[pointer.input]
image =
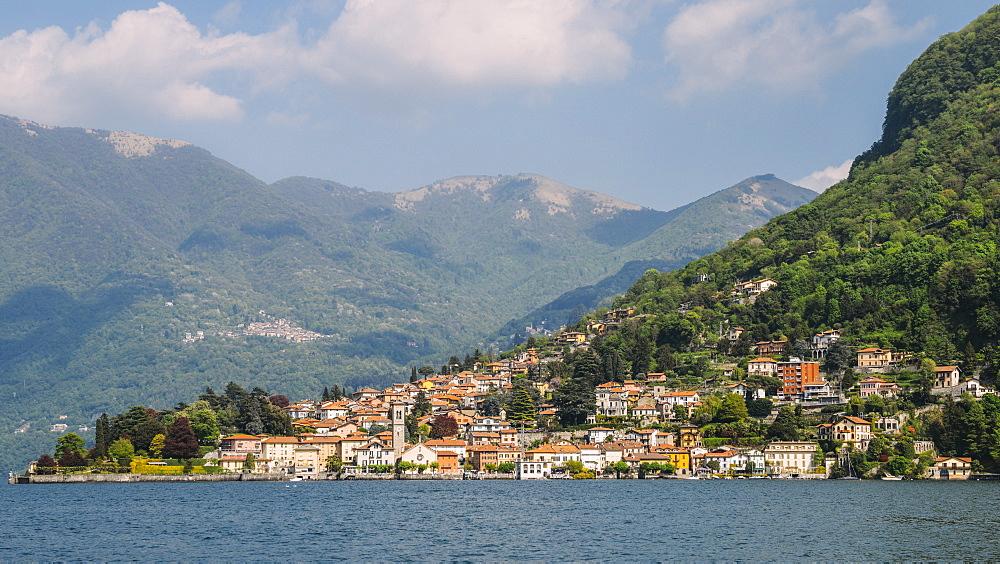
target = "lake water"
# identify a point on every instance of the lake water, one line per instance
(626, 520)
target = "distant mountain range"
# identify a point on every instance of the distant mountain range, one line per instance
(131, 264)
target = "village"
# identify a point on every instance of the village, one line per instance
(639, 427)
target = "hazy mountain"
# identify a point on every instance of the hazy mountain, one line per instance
(688, 233)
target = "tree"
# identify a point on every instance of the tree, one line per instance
(421, 405)
(102, 436)
(333, 464)
(125, 423)
(521, 406)
(586, 367)
(839, 356)
(280, 400)
(156, 445)
(72, 459)
(45, 465)
(180, 441)
(491, 405)
(250, 463)
(733, 408)
(575, 400)
(760, 407)
(122, 448)
(144, 432)
(574, 466)
(69, 443)
(444, 426)
(786, 424)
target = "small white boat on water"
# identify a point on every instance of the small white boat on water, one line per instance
(891, 478)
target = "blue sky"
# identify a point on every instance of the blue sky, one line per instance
(657, 102)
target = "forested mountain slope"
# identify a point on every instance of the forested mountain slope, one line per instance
(902, 254)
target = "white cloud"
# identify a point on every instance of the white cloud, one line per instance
(156, 64)
(148, 62)
(718, 44)
(822, 179)
(457, 44)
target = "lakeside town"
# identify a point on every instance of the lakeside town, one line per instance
(773, 415)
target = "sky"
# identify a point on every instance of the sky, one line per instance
(657, 102)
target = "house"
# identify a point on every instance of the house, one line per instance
(874, 357)
(764, 348)
(749, 392)
(453, 445)
(635, 460)
(240, 444)
(973, 387)
(950, 468)
(847, 429)
(648, 437)
(280, 451)
(375, 453)
(448, 462)
(725, 458)
(821, 342)
(874, 385)
(599, 434)
(688, 436)
(790, 457)
(733, 334)
(645, 412)
(532, 470)
(680, 457)
(685, 398)
(748, 462)
(611, 400)
(592, 456)
(556, 454)
(482, 455)
(306, 461)
(947, 376)
(762, 366)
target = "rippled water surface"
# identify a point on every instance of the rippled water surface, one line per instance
(484, 520)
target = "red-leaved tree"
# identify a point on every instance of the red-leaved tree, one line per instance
(444, 426)
(180, 441)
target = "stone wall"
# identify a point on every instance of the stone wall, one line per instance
(128, 478)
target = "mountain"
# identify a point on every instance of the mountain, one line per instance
(688, 233)
(902, 254)
(139, 270)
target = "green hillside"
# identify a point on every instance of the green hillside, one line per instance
(903, 254)
(131, 265)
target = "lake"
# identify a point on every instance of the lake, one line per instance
(623, 520)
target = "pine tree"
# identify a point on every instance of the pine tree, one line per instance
(521, 406)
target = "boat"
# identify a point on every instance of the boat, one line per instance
(890, 478)
(690, 478)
